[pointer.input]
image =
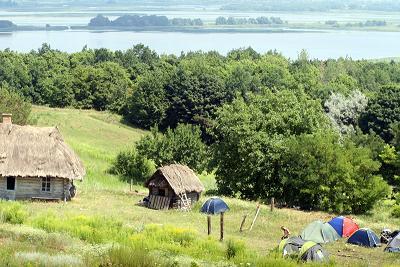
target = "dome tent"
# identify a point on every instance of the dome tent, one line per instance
(312, 251)
(319, 232)
(394, 244)
(344, 226)
(364, 237)
(291, 245)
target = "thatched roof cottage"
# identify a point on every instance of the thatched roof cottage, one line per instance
(169, 183)
(36, 163)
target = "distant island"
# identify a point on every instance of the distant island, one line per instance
(142, 21)
(221, 24)
(9, 26)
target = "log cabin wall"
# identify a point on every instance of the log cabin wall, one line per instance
(26, 188)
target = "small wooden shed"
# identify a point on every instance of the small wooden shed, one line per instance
(170, 187)
(36, 163)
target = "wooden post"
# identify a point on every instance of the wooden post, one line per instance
(272, 203)
(130, 187)
(255, 217)
(242, 224)
(222, 226)
(209, 224)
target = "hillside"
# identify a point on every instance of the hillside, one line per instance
(104, 203)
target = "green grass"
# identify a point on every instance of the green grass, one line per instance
(104, 224)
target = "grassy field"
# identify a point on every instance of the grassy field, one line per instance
(104, 218)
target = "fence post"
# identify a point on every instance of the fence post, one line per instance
(130, 187)
(255, 217)
(209, 224)
(242, 224)
(272, 203)
(222, 226)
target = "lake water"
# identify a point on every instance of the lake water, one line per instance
(83, 17)
(323, 45)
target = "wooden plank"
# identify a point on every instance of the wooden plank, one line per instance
(158, 199)
(151, 202)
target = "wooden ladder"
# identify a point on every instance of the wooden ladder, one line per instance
(185, 202)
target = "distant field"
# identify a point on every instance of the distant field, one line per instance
(97, 137)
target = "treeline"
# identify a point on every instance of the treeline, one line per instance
(368, 23)
(316, 5)
(244, 21)
(142, 21)
(327, 131)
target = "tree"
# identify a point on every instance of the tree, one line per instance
(14, 103)
(344, 112)
(182, 145)
(148, 104)
(195, 91)
(251, 138)
(129, 164)
(382, 112)
(320, 173)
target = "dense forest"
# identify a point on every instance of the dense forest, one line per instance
(327, 131)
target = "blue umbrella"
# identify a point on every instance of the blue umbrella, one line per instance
(214, 206)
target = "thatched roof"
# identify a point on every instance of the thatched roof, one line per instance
(181, 179)
(27, 151)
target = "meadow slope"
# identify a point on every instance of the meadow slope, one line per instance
(52, 234)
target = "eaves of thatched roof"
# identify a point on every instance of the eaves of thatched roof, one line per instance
(27, 151)
(180, 177)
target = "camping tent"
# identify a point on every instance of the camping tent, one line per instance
(364, 237)
(291, 245)
(344, 226)
(319, 232)
(394, 244)
(312, 251)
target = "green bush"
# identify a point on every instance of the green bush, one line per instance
(396, 211)
(322, 173)
(131, 165)
(12, 212)
(181, 145)
(14, 103)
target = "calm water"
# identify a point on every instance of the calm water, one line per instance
(321, 45)
(83, 17)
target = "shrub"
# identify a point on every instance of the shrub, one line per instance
(396, 211)
(182, 145)
(14, 103)
(131, 165)
(321, 173)
(12, 212)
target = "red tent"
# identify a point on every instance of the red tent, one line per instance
(344, 226)
(349, 227)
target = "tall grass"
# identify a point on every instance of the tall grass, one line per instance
(12, 212)
(132, 246)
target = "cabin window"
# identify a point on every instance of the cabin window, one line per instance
(11, 183)
(46, 184)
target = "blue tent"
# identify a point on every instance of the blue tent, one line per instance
(214, 205)
(364, 237)
(337, 224)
